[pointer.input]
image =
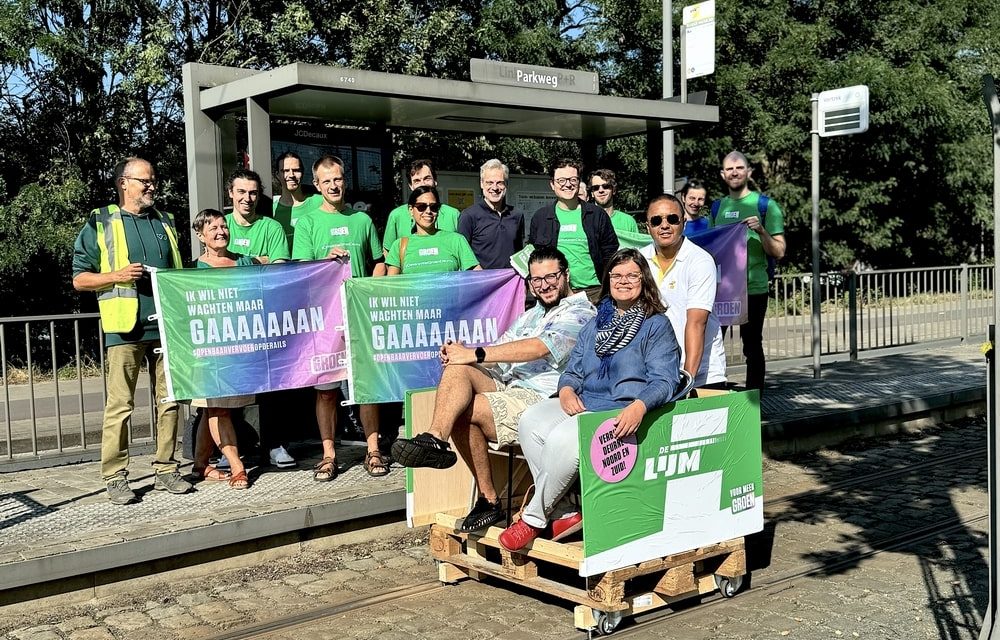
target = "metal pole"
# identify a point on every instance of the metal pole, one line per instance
(988, 631)
(668, 92)
(815, 238)
(684, 75)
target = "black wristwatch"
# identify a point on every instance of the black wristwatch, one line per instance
(480, 355)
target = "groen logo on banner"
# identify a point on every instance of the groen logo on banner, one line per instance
(691, 476)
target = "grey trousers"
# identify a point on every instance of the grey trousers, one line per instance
(550, 444)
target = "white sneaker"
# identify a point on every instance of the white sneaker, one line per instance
(222, 464)
(281, 459)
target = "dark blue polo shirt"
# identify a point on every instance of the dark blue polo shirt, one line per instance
(494, 237)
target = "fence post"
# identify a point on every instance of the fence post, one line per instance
(965, 301)
(852, 313)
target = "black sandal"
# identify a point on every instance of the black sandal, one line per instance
(484, 514)
(375, 464)
(423, 450)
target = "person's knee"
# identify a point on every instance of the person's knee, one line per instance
(326, 396)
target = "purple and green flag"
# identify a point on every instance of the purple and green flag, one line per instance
(728, 245)
(396, 325)
(243, 330)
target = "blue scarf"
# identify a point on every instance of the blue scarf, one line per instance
(615, 331)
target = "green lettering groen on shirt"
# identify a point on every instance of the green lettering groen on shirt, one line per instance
(443, 251)
(319, 231)
(263, 237)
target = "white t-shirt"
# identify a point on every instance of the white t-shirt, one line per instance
(690, 283)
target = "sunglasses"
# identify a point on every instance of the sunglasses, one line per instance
(423, 206)
(671, 218)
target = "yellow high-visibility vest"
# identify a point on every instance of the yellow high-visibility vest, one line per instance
(119, 303)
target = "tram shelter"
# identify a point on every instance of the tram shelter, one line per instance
(382, 102)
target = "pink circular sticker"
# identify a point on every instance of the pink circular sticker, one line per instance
(612, 459)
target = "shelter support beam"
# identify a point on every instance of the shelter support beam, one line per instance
(259, 140)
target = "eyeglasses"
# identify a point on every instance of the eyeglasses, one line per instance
(567, 182)
(549, 278)
(672, 218)
(602, 187)
(146, 184)
(423, 206)
(631, 278)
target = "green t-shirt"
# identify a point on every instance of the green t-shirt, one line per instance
(319, 231)
(573, 243)
(148, 244)
(732, 211)
(443, 251)
(288, 216)
(622, 221)
(265, 237)
(400, 223)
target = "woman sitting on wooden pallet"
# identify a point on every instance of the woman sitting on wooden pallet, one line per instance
(626, 358)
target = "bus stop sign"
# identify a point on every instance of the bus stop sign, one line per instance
(843, 112)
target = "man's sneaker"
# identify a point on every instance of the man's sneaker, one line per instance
(484, 514)
(423, 450)
(171, 482)
(518, 535)
(281, 459)
(119, 491)
(567, 525)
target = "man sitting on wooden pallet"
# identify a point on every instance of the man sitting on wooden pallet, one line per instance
(484, 391)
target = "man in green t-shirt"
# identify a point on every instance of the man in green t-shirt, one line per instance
(250, 233)
(765, 239)
(294, 201)
(400, 224)
(603, 188)
(334, 231)
(581, 230)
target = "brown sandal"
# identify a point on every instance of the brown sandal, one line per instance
(239, 481)
(375, 464)
(204, 474)
(326, 470)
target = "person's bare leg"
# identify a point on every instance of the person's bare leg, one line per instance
(369, 422)
(326, 418)
(220, 423)
(471, 435)
(203, 443)
(459, 383)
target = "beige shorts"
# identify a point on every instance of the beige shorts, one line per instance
(507, 404)
(228, 402)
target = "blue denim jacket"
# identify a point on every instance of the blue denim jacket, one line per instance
(647, 368)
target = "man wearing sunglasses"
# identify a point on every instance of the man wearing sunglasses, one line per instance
(686, 276)
(603, 187)
(765, 243)
(581, 230)
(484, 391)
(110, 258)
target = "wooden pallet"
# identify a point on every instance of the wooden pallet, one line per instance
(553, 568)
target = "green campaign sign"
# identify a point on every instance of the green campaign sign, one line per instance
(691, 476)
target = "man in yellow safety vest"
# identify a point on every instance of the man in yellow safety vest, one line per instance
(111, 257)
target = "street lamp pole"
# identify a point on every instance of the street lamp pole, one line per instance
(668, 92)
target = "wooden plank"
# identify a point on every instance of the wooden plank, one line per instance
(734, 565)
(450, 574)
(676, 580)
(707, 393)
(443, 545)
(567, 555)
(436, 490)
(517, 565)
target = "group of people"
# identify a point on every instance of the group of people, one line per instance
(611, 328)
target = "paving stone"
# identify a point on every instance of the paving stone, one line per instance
(182, 621)
(366, 564)
(40, 632)
(192, 599)
(76, 622)
(300, 579)
(161, 612)
(319, 586)
(217, 613)
(129, 621)
(93, 633)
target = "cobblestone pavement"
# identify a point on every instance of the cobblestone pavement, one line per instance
(936, 589)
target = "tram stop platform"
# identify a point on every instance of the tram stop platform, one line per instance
(59, 534)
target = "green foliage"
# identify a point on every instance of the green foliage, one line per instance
(88, 82)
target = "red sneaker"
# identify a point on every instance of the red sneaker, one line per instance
(566, 525)
(518, 535)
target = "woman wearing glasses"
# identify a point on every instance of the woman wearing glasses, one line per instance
(625, 358)
(429, 249)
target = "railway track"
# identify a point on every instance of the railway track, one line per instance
(282, 627)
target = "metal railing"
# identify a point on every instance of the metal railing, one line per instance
(54, 390)
(872, 310)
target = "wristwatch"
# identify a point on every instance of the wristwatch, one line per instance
(480, 355)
